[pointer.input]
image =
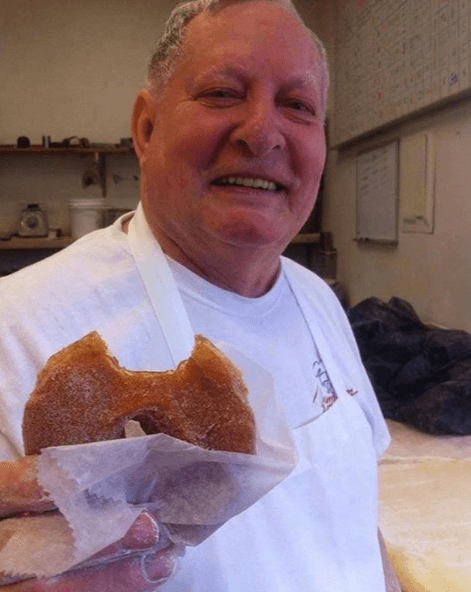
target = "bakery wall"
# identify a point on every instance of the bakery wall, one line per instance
(73, 68)
(431, 271)
(70, 69)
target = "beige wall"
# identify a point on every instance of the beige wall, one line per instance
(70, 68)
(431, 271)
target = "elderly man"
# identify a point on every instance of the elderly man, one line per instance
(230, 139)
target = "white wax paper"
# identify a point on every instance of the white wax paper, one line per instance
(101, 488)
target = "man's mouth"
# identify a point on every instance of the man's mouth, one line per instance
(256, 183)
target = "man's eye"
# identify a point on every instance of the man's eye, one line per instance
(300, 106)
(220, 96)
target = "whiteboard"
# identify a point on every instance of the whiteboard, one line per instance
(397, 57)
(378, 194)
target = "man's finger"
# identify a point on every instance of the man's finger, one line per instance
(19, 488)
(143, 534)
(138, 573)
(161, 565)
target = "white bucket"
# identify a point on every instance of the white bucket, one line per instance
(86, 215)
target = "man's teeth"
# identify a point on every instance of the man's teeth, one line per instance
(247, 182)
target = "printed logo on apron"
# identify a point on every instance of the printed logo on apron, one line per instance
(324, 393)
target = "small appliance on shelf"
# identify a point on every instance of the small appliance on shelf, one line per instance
(32, 222)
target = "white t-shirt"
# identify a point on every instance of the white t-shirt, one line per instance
(283, 543)
(269, 329)
(317, 530)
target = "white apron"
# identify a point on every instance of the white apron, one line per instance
(316, 531)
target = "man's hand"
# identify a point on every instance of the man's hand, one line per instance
(129, 565)
(19, 488)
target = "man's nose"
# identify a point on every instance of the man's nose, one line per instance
(259, 129)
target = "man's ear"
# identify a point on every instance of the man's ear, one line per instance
(142, 123)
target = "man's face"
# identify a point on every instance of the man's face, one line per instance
(237, 146)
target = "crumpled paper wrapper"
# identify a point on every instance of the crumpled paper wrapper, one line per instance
(101, 488)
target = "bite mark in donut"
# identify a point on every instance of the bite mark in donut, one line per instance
(83, 395)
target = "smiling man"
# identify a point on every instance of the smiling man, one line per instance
(230, 139)
(232, 147)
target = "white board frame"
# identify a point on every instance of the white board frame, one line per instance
(378, 194)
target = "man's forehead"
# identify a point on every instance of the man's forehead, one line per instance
(271, 25)
(304, 79)
(269, 13)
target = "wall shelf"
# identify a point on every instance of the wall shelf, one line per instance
(39, 150)
(98, 152)
(18, 242)
(312, 239)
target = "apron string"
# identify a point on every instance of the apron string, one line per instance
(161, 288)
(317, 335)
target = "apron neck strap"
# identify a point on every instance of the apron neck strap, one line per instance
(161, 288)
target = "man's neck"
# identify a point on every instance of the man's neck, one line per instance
(241, 271)
(249, 272)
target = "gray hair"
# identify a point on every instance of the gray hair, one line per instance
(168, 47)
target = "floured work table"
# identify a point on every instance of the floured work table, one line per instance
(425, 509)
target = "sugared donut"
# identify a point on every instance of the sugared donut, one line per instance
(83, 395)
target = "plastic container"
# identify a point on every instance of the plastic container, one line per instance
(86, 215)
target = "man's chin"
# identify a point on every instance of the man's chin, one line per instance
(251, 236)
